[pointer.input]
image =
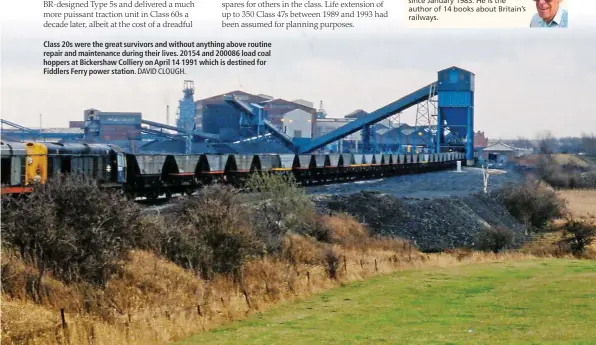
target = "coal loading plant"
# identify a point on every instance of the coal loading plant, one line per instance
(241, 123)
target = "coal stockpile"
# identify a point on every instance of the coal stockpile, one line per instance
(431, 224)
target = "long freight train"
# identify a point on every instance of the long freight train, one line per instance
(151, 175)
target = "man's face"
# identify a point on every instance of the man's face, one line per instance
(547, 9)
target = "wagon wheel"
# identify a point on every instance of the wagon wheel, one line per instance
(152, 196)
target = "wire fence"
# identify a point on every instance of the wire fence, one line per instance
(334, 271)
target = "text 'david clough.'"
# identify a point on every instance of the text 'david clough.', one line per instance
(468, 13)
(312, 14)
(148, 58)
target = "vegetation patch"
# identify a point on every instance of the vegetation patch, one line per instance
(532, 204)
(82, 265)
(499, 303)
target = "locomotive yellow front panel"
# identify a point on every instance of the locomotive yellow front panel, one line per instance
(36, 163)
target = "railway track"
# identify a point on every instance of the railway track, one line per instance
(151, 175)
(313, 186)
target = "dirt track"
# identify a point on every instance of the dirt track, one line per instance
(431, 185)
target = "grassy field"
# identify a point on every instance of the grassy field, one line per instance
(528, 302)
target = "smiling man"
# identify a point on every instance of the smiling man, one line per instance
(550, 15)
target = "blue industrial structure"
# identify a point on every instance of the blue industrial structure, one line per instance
(455, 91)
(186, 108)
(22, 133)
(110, 126)
(237, 126)
(255, 117)
(223, 119)
(364, 123)
(456, 111)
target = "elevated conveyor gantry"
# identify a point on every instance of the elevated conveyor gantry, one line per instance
(194, 133)
(454, 89)
(34, 134)
(365, 122)
(187, 135)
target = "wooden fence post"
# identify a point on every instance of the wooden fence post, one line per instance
(63, 318)
(247, 299)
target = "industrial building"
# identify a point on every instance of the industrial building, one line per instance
(242, 122)
(214, 115)
(298, 123)
(277, 109)
(498, 153)
(480, 140)
(212, 107)
(112, 126)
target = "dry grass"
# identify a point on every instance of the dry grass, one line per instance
(353, 235)
(581, 203)
(570, 159)
(155, 301)
(560, 159)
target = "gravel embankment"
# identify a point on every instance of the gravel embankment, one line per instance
(431, 224)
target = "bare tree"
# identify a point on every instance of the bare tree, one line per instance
(547, 143)
(524, 143)
(588, 144)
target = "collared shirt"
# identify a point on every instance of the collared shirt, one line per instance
(559, 21)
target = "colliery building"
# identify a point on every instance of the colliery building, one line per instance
(215, 116)
(299, 119)
(110, 126)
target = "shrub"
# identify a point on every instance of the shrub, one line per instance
(315, 226)
(281, 206)
(73, 228)
(578, 235)
(495, 239)
(333, 262)
(532, 204)
(298, 249)
(571, 180)
(210, 233)
(570, 175)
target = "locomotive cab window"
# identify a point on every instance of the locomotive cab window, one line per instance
(5, 170)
